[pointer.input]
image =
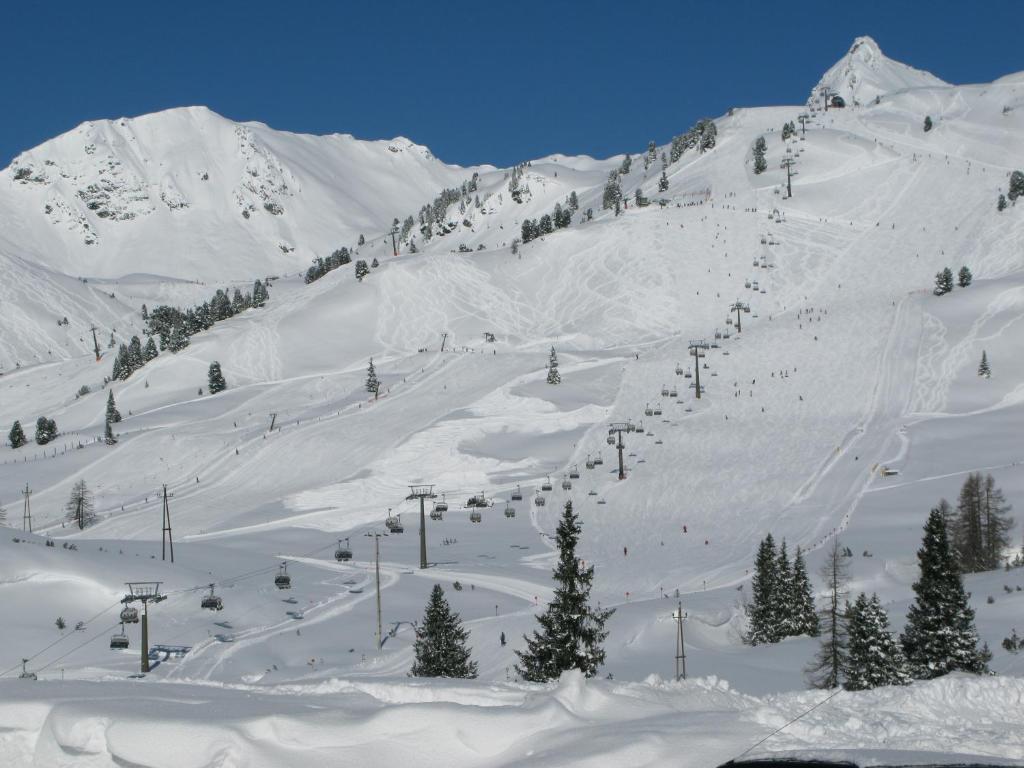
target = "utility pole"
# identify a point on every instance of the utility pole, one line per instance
(739, 307)
(394, 247)
(165, 535)
(376, 549)
(678, 615)
(697, 348)
(95, 343)
(273, 418)
(422, 492)
(790, 173)
(444, 338)
(145, 592)
(26, 517)
(620, 427)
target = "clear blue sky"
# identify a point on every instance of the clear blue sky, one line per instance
(482, 81)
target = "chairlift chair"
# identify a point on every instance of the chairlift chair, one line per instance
(510, 511)
(436, 515)
(648, 411)
(283, 580)
(475, 516)
(639, 427)
(546, 485)
(517, 494)
(567, 484)
(687, 375)
(211, 601)
(598, 461)
(538, 500)
(610, 440)
(601, 501)
(574, 472)
(442, 505)
(664, 391)
(679, 370)
(343, 553)
(673, 392)
(129, 615)
(590, 462)
(657, 410)
(119, 641)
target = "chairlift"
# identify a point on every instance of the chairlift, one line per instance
(610, 440)
(755, 262)
(659, 441)
(343, 553)
(517, 494)
(718, 334)
(590, 462)
(639, 426)
(129, 615)
(283, 580)
(673, 392)
(648, 411)
(657, 410)
(393, 523)
(601, 501)
(442, 505)
(726, 335)
(728, 321)
(475, 516)
(664, 391)
(574, 472)
(25, 674)
(435, 515)
(679, 370)
(746, 309)
(763, 291)
(566, 484)
(211, 601)
(591, 492)
(546, 485)
(538, 500)
(119, 642)
(687, 375)
(598, 461)
(510, 511)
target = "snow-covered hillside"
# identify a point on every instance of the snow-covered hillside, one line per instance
(846, 363)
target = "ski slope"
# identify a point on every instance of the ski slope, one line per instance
(845, 363)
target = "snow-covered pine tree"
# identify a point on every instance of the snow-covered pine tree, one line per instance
(113, 414)
(765, 626)
(574, 202)
(940, 636)
(783, 597)
(108, 433)
(178, 339)
(362, 269)
(571, 631)
(663, 183)
(440, 647)
(1001, 202)
(612, 192)
(372, 382)
(760, 147)
(135, 354)
(215, 379)
(554, 377)
(927, 123)
(79, 508)
(964, 277)
(874, 656)
(943, 282)
(627, 163)
(983, 366)
(1016, 185)
(16, 436)
(374, 264)
(805, 615)
(46, 430)
(362, 240)
(826, 669)
(149, 351)
(545, 226)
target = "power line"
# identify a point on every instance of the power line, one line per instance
(781, 728)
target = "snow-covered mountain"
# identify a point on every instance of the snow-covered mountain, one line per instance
(865, 73)
(846, 363)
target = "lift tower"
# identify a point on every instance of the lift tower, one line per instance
(618, 427)
(739, 307)
(422, 492)
(145, 592)
(697, 349)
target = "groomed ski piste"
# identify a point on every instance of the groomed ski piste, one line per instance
(846, 364)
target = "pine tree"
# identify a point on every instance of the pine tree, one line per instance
(940, 636)
(108, 433)
(765, 625)
(805, 615)
(113, 415)
(362, 270)
(627, 163)
(1016, 185)
(995, 522)
(760, 147)
(964, 277)
(612, 192)
(135, 354)
(372, 382)
(178, 339)
(927, 123)
(16, 436)
(875, 657)
(149, 351)
(79, 507)
(663, 183)
(571, 631)
(574, 202)
(783, 597)
(440, 646)
(943, 282)
(554, 377)
(1001, 203)
(46, 430)
(826, 669)
(983, 367)
(215, 379)
(362, 240)
(545, 226)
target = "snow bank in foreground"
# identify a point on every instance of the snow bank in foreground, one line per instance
(574, 722)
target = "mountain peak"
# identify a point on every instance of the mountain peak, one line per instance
(865, 72)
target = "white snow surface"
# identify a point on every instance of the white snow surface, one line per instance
(846, 364)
